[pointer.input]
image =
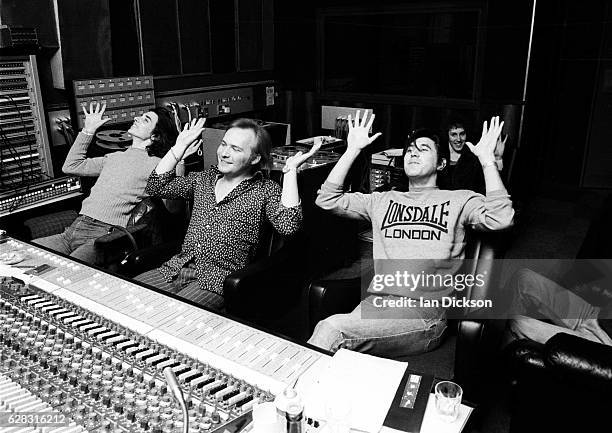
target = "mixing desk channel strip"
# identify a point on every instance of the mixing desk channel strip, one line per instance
(101, 375)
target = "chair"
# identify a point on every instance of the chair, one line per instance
(464, 353)
(564, 385)
(146, 226)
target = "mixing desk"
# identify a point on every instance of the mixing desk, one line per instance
(89, 348)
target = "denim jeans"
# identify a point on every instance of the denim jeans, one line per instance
(536, 295)
(78, 239)
(383, 332)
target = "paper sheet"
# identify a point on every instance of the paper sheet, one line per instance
(368, 383)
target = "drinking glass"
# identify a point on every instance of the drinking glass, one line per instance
(448, 400)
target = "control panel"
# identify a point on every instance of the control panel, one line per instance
(93, 350)
(33, 195)
(210, 103)
(125, 97)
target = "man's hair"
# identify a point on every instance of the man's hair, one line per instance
(164, 134)
(420, 133)
(456, 124)
(263, 142)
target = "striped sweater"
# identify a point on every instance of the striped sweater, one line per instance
(122, 178)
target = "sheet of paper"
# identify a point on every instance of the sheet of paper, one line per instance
(366, 382)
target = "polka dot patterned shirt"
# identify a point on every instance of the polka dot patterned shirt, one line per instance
(223, 237)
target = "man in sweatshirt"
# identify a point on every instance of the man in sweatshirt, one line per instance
(419, 232)
(122, 178)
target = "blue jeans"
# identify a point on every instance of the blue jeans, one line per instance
(78, 239)
(418, 330)
(536, 295)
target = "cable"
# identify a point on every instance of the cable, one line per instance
(23, 124)
(11, 149)
(186, 107)
(174, 386)
(32, 176)
(27, 135)
(24, 176)
(177, 118)
(67, 132)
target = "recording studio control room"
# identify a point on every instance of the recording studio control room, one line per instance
(327, 216)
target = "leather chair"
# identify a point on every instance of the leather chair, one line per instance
(469, 347)
(564, 385)
(146, 226)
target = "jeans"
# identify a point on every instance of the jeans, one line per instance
(536, 295)
(418, 330)
(78, 239)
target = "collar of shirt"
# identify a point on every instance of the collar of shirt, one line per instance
(258, 174)
(239, 189)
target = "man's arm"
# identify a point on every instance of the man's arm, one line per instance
(77, 162)
(290, 195)
(331, 195)
(490, 213)
(163, 182)
(484, 150)
(187, 142)
(286, 218)
(169, 186)
(495, 212)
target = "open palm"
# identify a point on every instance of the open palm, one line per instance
(485, 148)
(188, 140)
(294, 162)
(359, 131)
(94, 117)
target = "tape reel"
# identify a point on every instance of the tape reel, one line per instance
(114, 136)
(113, 139)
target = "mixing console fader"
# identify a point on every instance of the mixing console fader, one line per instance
(89, 349)
(99, 374)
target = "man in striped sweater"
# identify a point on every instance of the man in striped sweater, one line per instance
(122, 178)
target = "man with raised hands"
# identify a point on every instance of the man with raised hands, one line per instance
(416, 235)
(122, 178)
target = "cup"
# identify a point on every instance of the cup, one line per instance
(448, 400)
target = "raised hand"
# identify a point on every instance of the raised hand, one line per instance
(500, 146)
(358, 136)
(93, 117)
(188, 141)
(485, 148)
(294, 162)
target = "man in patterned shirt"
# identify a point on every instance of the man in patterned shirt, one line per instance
(231, 204)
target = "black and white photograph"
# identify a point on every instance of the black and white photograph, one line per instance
(324, 216)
